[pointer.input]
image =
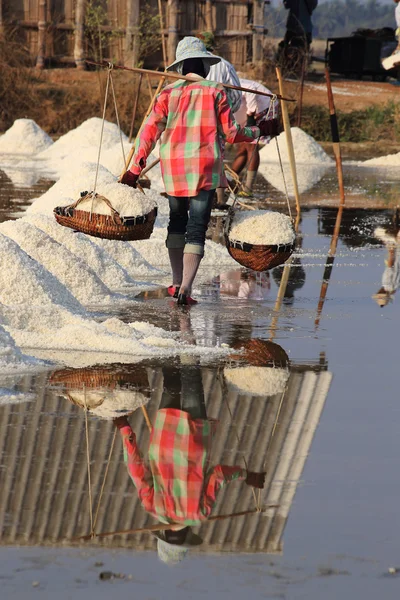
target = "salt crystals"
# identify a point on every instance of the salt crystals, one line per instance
(107, 403)
(262, 227)
(256, 381)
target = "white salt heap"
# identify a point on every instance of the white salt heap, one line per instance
(69, 269)
(256, 381)
(87, 135)
(306, 149)
(109, 404)
(125, 199)
(262, 227)
(25, 137)
(391, 160)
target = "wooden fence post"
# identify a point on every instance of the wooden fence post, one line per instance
(209, 16)
(79, 35)
(1, 20)
(42, 26)
(132, 33)
(173, 16)
(258, 30)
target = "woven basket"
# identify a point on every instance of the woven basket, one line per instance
(256, 257)
(110, 377)
(259, 258)
(109, 227)
(262, 353)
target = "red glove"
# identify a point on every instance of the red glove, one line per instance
(129, 178)
(270, 128)
(255, 480)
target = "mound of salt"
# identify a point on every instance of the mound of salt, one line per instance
(25, 281)
(262, 227)
(109, 404)
(307, 176)
(306, 149)
(256, 381)
(390, 160)
(87, 135)
(125, 199)
(386, 236)
(25, 137)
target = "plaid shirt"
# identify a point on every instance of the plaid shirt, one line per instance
(179, 487)
(192, 117)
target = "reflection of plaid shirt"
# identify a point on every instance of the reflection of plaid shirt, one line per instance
(178, 487)
(191, 117)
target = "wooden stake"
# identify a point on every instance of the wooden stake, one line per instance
(335, 136)
(289, 141)
(163, 44)
(173, 24)
(147, 418)
(135, 108)
(79, 52)
(42, 28)
(335, 237)
(132, 33)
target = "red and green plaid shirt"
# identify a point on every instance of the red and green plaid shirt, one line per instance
(178, 486)
(194, 120)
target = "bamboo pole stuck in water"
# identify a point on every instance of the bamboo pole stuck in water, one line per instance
(173, 75)
(335, 237)
(289, 141)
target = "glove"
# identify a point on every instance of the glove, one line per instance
(255, 480)
(120, 422)
(129, 178)
(270, 128)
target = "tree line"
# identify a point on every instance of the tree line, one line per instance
(336, 18)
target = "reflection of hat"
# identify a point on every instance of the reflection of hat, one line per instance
(382, 298)
(192, 47)
(173, 553)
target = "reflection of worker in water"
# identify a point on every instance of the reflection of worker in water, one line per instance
(391, 275)
(178, 486)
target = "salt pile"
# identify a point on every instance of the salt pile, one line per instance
(69, 269)
(391, 160)
(306, 149)
(307, 176)
(386, 236)
(256, 381)
(108, 404)
(125, 199)
(262, 227)
(87, 135)
(11, 358)
(25, 137)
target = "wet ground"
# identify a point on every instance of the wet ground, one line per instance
(320, 416)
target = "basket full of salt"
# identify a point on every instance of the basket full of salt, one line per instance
(260, 239)
(118, 213)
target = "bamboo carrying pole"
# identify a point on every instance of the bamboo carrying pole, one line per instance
(163, 527)
(289, 141)
(335, 237)
(173, 75)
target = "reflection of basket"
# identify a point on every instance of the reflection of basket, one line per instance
(259, 258)
(263, 353)
(110, 377)
(110, 227)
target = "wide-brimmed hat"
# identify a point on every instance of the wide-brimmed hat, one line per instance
(192, 47)
(382, 298)
(172, 554)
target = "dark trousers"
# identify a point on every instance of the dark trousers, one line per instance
(183, 389)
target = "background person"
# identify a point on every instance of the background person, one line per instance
(252, 107)
(192, 117)
(299, 24)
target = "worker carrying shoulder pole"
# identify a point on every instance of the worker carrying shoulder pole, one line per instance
(191, 118)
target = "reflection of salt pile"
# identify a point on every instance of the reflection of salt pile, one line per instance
(21, 176)
(257, 381)
(312, 159)
(391, 160)
(109, 404)
(262, 227)
(25, 137)
(11, 358)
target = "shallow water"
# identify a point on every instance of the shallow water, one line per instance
(328, 442)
